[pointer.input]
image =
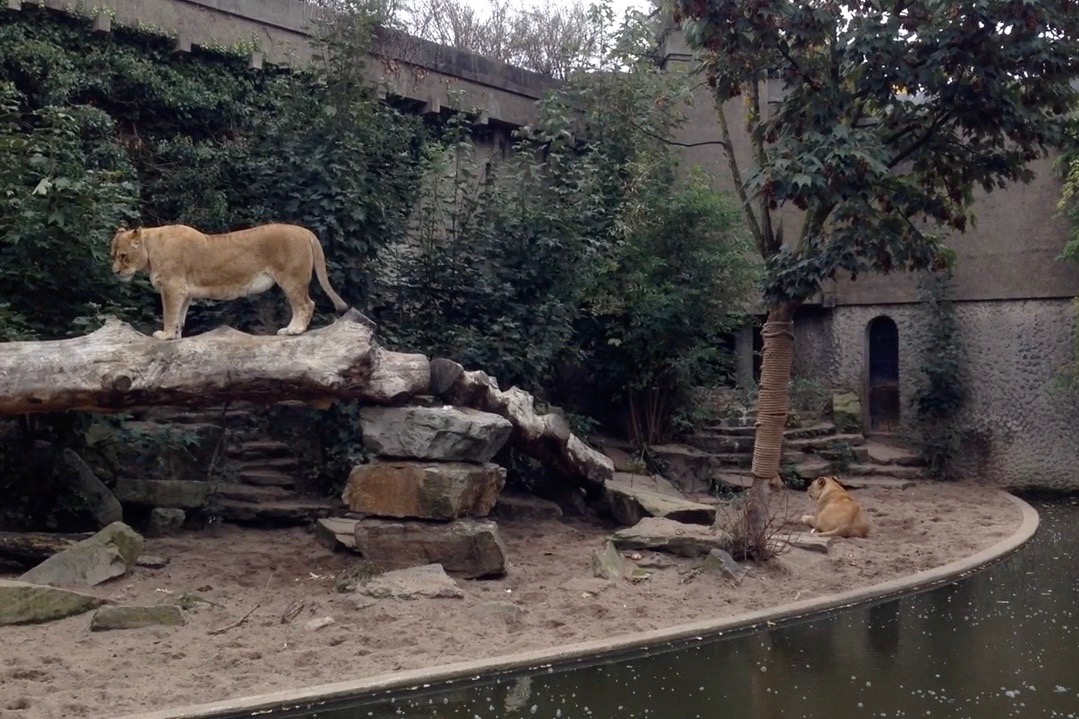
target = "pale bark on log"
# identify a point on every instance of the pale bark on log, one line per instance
(545, 437)
(397, 377)
(117, 367)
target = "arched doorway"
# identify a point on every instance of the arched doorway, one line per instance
(883, 384)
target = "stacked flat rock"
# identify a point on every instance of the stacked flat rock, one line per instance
(431, 465)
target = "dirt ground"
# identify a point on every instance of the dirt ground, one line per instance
(61, 670)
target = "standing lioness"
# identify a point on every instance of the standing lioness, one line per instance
(184, 264)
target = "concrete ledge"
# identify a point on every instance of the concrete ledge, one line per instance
(334, 695)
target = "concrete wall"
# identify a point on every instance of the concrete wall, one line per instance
(431, 76)
(1010, 253)
(1019, 427)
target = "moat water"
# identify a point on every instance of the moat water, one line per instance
(1001, 643)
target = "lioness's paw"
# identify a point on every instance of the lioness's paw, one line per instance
(807, 519)
(162, 335)
(289, 331)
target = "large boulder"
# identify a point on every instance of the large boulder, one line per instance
(468, 548)
(629, 502)
(666, 535)
(106, 555)
(27, 603)
(449, 434)
(424, 490)
(165, 521)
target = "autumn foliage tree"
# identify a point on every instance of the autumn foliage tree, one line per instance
(890, 115)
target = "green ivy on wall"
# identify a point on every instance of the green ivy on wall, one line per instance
(105, 130)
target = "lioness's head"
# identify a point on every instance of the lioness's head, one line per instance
(128, 253)
(821, 485)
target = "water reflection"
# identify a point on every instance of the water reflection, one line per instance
(1004, 643)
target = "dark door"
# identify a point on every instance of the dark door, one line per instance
(883, 375)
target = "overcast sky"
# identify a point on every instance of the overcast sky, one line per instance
(619, 6)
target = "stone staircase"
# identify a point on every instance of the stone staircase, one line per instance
(263, 477)
(721, 454)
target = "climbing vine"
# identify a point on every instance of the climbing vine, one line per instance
(940, 394)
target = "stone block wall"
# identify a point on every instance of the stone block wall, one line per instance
(1020, 427)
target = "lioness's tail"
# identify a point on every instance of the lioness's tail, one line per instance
(320, 272)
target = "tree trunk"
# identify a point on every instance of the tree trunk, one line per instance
(773, 398)
(117, 367)
(773, 401)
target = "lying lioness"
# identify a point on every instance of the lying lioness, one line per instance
(838, 514)
(184, 264)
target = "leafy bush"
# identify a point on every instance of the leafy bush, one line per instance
(586, 249)
(64, 187)
(664, 301)
(496, 265)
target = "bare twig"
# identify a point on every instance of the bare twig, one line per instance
(290, 613)
(250, 611)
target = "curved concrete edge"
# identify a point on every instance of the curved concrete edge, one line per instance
(339, 692)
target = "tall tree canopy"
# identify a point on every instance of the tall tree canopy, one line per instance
(890, 115)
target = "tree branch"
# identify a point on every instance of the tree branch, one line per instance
(768, 236)
(736, 180)
(919, 142)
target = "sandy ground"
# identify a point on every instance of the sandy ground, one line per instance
(62, 670)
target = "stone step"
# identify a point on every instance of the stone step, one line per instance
(813, 444)
(740, 439)
(267, 478)
(286, 465)
(813, 467)
(731, 459)
(746, 420)
(277, 513)
(880, 453)
(819, 429)
(259, 448)
(873, 482)
(209, 416)
(854, 454)
(885, 470)
(252, 494)
(717, 443)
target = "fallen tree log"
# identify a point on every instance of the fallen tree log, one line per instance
(32, 548)
(118, 367)
(545, 437)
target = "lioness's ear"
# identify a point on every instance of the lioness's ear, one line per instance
(136, 237)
